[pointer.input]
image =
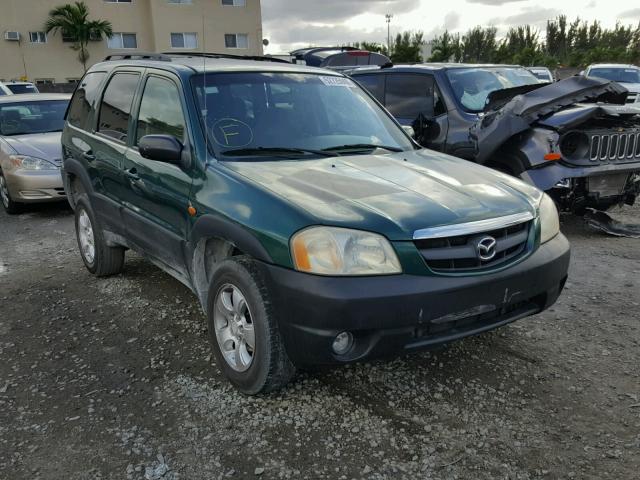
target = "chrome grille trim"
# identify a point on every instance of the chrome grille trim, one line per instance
(614, 146)
(470, 228)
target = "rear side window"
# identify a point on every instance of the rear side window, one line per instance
(83, 100)
(409, 95)
(115, 108)
(160, 110)
(374, 84)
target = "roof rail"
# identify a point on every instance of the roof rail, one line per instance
(137, 56)
(259, 58)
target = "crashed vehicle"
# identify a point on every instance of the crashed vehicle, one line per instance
(576, 139)
(311, 227)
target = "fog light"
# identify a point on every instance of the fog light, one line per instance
(342, 343)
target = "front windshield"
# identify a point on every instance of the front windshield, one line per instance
(472, 86)
(251, 111)
(23, 118)
(622, 75)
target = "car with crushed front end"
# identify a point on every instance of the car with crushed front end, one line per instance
(30, 153)
(576, 139)
(311, 227)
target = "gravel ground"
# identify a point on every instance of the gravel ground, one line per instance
(113, 378)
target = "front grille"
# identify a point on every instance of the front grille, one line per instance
(632, 97)
(607, 147)
(460, 253)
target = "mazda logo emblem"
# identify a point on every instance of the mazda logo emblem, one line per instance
(486, 248)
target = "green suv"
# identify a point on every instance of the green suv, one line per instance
(309, 224)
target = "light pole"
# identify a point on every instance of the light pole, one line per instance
(388, 17)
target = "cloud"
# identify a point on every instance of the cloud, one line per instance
(530, 16)
(451, 21)
(303, 35)
(633, 13)
(494, 2)
(331, 11)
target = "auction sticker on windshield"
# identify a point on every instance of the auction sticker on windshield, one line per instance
(337, 81)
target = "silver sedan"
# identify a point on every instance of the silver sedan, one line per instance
(30, 150)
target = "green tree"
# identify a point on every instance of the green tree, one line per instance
(407, 47)
(72, 20)
(479, 45)
(446, 48)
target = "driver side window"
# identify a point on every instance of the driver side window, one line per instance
(160, 110)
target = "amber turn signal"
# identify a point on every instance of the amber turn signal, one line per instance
(552, 156)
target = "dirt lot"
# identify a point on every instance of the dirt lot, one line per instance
(113, 378)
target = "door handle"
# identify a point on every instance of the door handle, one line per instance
(132, 174)
(88, 156)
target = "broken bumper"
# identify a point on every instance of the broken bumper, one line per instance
(551, 174)
(390, 315)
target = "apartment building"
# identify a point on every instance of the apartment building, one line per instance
(27, 52)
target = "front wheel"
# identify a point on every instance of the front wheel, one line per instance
(243, 331)
(9, 205)
(99, 258)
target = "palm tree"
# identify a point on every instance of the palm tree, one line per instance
(73, 22)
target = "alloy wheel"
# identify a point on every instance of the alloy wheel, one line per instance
(234, 330)
(4, 191)
(85, 235)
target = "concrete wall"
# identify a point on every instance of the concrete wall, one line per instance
(152, 21)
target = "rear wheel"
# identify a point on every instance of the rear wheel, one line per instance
(243, 330)
(9, 205)
(99, 258)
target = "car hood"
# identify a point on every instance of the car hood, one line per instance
(40, 145)
(392, 194)
(632, 87)
(538, 104)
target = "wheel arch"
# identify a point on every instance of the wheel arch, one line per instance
(76, 180)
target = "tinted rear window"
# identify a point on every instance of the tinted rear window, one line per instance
(115, 108)
(83, 100)
(22, 88)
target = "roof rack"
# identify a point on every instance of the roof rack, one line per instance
(138, 56)
(258, 58)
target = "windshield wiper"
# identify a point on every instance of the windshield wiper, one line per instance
(267, 151)
(362, 146)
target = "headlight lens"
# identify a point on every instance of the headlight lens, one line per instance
(31, 163)
(342, 251)
(549, 222)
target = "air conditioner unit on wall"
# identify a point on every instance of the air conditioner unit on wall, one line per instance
(12, 36)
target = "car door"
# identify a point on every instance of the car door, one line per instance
(414, 99)
(155, 213)
(101, 142)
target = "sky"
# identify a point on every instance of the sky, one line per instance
(290, 24)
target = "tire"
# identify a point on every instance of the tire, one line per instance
(265, 366)
(9, 205)
(102, 260)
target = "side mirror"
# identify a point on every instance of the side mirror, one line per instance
(409, 130)
(162, 148)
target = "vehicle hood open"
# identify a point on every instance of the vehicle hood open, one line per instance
(540, 105)
(393, 194)
(41, 145)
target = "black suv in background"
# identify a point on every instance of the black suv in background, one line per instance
(583, 154)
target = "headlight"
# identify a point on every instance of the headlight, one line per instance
(549, 222)
(341, 251)
(31, 163)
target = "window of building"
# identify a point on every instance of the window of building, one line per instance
(184, 40)
(83, 99)
(236, 40)
(183, 2)
(37, 37)
(160, 110)
(234, 3)
(44, 81)
(115, 108)
(118, 1)
(122, 40)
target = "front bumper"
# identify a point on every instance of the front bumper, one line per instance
(394, 314)
(30, 186)
(548, 176)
